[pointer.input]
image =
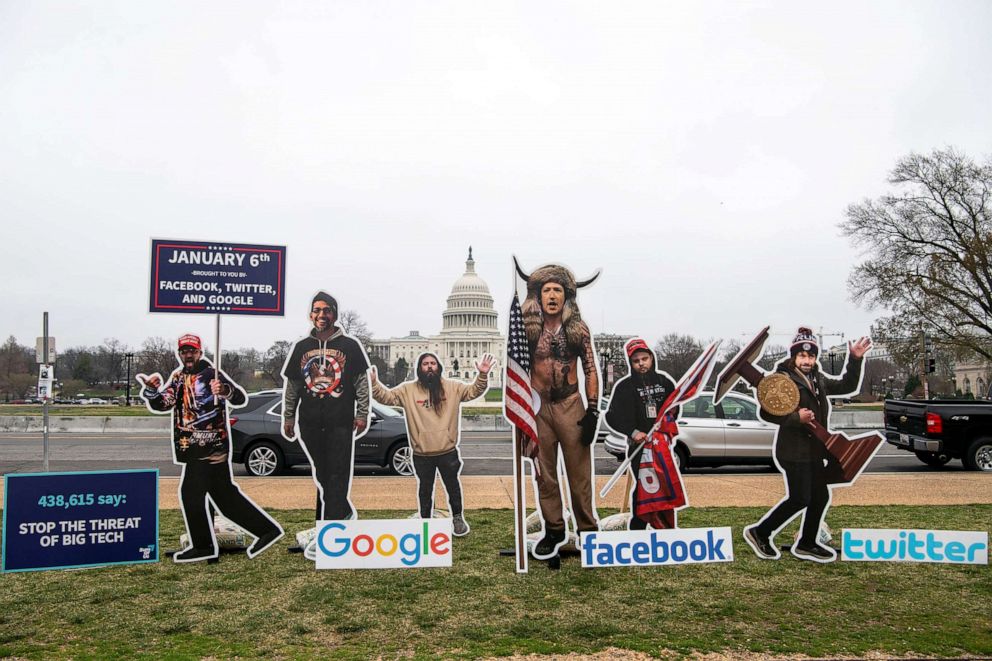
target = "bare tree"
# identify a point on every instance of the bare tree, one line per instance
(157, 355)
(929, 247)
(353, 324)
(772, 354)
(110, 361)
(879, 378)
(400, 371)
(676, 353)
(274, 359)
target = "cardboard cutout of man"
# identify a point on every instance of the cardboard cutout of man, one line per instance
(808, 468)
(198, 396)
(432, 405)
(635, 403)
(326, 391)
(560, 344)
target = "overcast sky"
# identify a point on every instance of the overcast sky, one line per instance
(701, 154)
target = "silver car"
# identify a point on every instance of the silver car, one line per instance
(728, 433)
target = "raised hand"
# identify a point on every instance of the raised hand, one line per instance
(487, 364)
(151, 382)
(861, 347)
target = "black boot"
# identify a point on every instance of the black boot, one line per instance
(546, 546)
(194, 555)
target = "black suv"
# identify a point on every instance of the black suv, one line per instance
(257, 441)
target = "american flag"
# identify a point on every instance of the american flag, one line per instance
(693, 381)
(517, 394)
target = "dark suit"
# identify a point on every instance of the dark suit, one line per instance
(807, 466)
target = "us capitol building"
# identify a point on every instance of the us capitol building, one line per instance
(469, 329)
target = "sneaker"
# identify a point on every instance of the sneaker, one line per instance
(761, 545)
(460, 526)
(816, 553)
(548, 544)
(264, 541)
(194, 555)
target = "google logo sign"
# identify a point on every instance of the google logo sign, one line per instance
(384, 543)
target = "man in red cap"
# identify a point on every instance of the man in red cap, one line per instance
(198, 397)
(634, 406)
(807, 467)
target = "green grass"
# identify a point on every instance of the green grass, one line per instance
(494, 395)
(142, 410)
(279, 606)
(109, 410)
(482, 410)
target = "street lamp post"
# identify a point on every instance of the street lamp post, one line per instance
(605, 355)
(128, 357)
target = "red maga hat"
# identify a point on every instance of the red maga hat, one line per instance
(636, 344)
(190, 340)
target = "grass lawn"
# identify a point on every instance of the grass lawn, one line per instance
(75, 410)
(278, 605)
(142, 410)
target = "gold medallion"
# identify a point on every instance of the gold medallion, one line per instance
(778, 394)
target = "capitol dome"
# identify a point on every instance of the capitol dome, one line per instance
(470, 305)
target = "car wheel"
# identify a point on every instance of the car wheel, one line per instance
(935, 459)
(979, 455)
(401, 459)
(264, 459)
(681, 458)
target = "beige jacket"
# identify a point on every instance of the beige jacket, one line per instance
(431, 433)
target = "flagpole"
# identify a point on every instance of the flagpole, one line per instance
(519, 503)
(519, 506)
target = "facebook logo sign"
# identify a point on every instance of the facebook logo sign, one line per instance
(625, 548)
(943, 546)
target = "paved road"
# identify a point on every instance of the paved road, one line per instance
(485, 453)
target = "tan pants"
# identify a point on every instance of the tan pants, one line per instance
(558, 425)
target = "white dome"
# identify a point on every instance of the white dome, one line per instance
(470, 305)
(470, 283)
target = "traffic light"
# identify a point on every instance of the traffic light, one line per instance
(931, 365)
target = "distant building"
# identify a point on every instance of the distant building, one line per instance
(469, 329)
(612, 360)
(973, 378)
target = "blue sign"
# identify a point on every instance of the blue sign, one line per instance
(65, 520)
(217, 278)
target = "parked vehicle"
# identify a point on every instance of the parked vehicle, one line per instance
(942, 429)
(257, 441)
(727, 433)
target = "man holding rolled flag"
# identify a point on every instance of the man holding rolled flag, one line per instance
(659, 493)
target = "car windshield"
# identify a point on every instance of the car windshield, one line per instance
(386, 412)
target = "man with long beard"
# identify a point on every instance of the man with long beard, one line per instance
(634, 406)
(433, 411)
(559, 341)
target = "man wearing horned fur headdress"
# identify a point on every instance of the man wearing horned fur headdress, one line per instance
(559, 343)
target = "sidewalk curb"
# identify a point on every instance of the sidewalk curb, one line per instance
(482, 492)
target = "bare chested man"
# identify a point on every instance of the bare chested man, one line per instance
(560, 344)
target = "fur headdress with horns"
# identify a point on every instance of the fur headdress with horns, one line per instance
(533, 315)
